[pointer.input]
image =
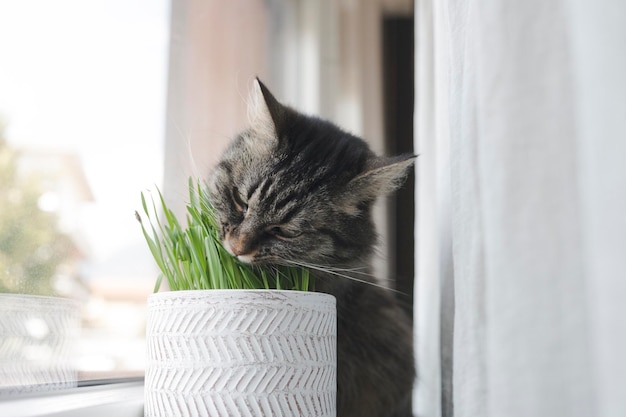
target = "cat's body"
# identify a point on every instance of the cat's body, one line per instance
(297, 190)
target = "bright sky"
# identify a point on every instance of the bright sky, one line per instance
(90, 76)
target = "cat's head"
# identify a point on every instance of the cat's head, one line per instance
(297, 188)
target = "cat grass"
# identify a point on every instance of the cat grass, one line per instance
(193, 258)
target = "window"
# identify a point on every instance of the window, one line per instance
(103, 99)
(82, 104)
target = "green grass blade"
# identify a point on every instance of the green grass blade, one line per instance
(194, 258)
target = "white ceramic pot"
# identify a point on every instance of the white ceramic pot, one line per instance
(38, 336)
(241, 353)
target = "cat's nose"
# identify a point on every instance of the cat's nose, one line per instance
(237, 247)
(241, 245)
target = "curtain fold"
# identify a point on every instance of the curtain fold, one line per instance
(598, 31)
(466, 216)
(521, 212)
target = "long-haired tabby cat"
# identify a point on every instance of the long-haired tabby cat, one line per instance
(297, 190)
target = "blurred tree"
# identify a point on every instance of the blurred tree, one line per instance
(31, 245)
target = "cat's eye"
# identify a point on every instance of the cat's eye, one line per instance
(282, 232)
(240, 201)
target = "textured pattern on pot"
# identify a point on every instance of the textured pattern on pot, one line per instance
(241, 353)
(38, 337)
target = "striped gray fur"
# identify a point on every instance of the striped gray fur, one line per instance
(298, 190)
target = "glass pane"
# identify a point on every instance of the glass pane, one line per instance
(82, 104)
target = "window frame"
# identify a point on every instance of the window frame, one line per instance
(122, 398)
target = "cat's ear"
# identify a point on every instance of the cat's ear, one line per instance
(382, 176)
(267, 116)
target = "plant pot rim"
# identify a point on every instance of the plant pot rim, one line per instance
(174, 293)
(28, 301)
(37, 297)
(241, 295)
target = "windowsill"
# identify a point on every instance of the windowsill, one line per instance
(121, 399)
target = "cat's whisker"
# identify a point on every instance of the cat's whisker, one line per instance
(354, 270)
(334, 271)
(335, 268)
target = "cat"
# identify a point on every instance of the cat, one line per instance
(297, 190)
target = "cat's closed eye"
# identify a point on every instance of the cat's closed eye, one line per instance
(282, 232)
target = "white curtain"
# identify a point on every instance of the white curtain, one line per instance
(521, 212)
